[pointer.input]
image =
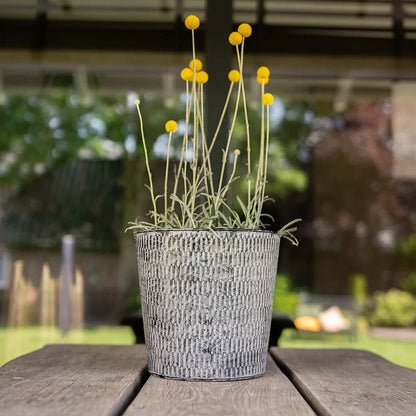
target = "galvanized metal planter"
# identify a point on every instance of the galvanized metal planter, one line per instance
(207, 301)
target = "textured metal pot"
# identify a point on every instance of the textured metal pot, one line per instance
(207, 301)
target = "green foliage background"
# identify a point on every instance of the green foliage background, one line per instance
(394, 308)
(41, 131)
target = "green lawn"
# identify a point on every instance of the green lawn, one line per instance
(18, 341)
(396, 351)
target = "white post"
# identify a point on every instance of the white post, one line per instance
(404, 130)
(67, 275)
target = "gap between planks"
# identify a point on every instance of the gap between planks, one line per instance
(314, 404)
(130, 394)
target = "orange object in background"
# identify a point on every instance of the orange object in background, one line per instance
(308, 323)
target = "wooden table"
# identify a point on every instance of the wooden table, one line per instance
(112, 380)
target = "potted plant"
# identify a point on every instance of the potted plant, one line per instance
(207, 274)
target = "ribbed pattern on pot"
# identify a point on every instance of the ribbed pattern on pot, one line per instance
(207, 301)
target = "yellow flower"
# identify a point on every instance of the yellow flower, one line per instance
(261, 80)
(198, 64)
(263, 72)
(201, 77)
(267, 99)
(235, 38)
(236, 152)
(171, 126)
(245, 30)
(192, 22)
(187, 74)
(234, 76)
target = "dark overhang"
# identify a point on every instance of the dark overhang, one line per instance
(365, 27)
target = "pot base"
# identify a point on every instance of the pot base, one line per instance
(208, 379)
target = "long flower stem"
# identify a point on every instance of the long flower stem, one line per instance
(240, 63)
(146, 157)
(206, 169)
(227, 148)
(195, 138)
(227, 186)
(184, 150)
(166, 174)
(206, 162)
(261, 163)
(265, 156)
(195, 154)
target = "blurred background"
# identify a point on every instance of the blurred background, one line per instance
(342, 158)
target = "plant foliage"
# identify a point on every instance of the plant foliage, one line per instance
(196, 201)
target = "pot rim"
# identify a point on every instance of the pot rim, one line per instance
(217, 230)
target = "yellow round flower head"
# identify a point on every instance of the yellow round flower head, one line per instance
(235, 38)
(234, 76)
(192, 22)
(267, 99)
(245, 30)
(263, 72)
(187, 74)
(201, 77)
(171, 126)
(262, 81)
(198, 64)
(236, 152)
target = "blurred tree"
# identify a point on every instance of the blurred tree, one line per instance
(358, 214)
(42, 131)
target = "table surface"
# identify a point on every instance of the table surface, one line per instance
(112, 380)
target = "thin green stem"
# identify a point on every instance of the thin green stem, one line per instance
(146, 157)
(240, 63)
(206, 169)
(166, 174)
(261, 161)
(225, 155)
(227, 186)
(195, 154)
(182, 159)
(206, 163)
(195, 136)
(266, 154)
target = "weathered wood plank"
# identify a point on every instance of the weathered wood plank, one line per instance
(272, 394)
(72, 380)
(349, 382)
